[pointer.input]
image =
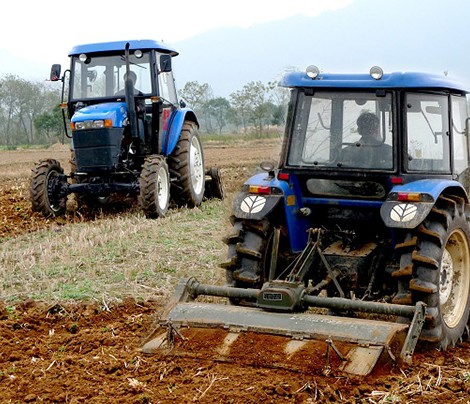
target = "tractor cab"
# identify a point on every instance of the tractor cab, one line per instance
(392, 128)
(99, 74)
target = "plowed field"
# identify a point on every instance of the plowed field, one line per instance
(82, 352)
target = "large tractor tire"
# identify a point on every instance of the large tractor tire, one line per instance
(435, 268)
(252, 245)
(186, 165)
(155, 187)
(45, 185)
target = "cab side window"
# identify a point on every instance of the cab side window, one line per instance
(427, 126)
(459, 138)
(166, 85)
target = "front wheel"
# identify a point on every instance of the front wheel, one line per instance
(155, 187)
(435, 268)
(46, 193)
(187, 167)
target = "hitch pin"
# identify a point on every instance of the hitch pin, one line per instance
(331, 344)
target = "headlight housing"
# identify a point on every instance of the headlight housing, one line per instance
(96, 124)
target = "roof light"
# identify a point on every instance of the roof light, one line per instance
(376, 72)
(312, 71)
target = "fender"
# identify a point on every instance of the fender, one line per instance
(172, 131)
(408, 205)
(262, 193)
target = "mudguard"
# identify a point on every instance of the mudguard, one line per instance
(256, 206)
(172, 130)
(408, 214)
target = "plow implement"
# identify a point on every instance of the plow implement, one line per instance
(272, 334)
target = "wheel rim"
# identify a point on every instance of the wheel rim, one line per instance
(163, 188)
(52, 181)
(454, 278)
(197, 165)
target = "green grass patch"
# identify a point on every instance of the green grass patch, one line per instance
(124, 256)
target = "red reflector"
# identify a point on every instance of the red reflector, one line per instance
(409, 197)
(397, 180)
(283, 176)
(255, 189)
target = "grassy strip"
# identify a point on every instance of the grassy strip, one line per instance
(127, 255)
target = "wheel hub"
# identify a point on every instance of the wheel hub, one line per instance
(197, 167)
(446, 277)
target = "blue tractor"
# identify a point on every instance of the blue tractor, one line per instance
(367, 211)
(130, 135)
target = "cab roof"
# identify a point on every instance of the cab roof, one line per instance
(142, 44)
(396, 80)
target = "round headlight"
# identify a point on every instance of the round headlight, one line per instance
(376, 72)
(138, 54)
(83, 57)
(312, 71)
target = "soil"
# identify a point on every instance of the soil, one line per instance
(88, 352)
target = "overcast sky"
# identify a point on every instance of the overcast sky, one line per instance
(47, 30)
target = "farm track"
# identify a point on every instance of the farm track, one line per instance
(87, 352)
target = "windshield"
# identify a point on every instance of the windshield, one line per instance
(343, 130)
(103, 76)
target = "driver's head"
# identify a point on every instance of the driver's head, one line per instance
(132, 76)
(368, 125)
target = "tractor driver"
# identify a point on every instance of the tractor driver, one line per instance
(133, 77)
(369, 150)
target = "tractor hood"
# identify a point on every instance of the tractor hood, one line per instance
(116, 112)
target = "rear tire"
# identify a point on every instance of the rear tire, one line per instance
(250, 250)
(435, 268)
(155, 187)
(214, 187)
(45, 184)
(187, 167)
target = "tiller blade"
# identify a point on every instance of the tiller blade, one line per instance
(301, 341)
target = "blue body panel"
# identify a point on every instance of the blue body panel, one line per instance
(364, 81)
(120, 46)
(297, 224)
(116, 111)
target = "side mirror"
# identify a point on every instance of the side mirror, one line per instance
(55, 72)
(165, 63)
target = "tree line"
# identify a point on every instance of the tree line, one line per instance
(256, 109)
(30, 113)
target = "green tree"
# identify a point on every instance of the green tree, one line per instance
(217, 109)
(21, 102)
(252, 106)
(197, 95)
(50, 124)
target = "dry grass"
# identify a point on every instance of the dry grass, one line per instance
(127, 255)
